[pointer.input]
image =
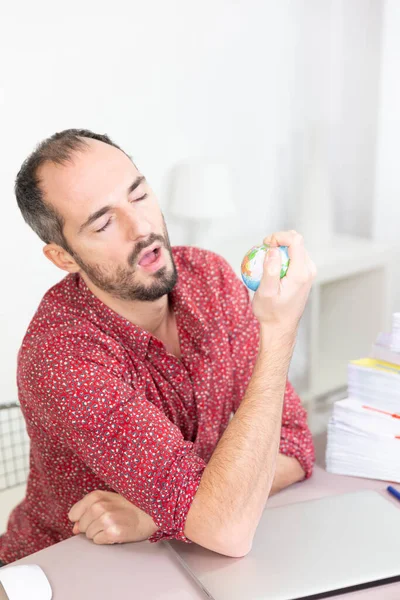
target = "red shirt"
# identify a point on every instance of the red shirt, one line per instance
(107, 407)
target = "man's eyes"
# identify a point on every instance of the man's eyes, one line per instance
(141, 198)
(104, 227)
(109, 220)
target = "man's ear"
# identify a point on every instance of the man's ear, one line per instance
(61, 258)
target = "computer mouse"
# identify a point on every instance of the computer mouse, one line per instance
(24, 582)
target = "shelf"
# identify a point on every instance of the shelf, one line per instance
(346, 256)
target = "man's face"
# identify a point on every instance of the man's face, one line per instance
(113, 224)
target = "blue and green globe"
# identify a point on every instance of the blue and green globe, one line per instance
(252, 265)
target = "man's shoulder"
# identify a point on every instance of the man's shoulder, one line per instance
(60, 314)
(199, 261)
(60, 303)
(209, 272)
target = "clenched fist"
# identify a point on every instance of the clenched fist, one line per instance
(281, 302)
(108, 518)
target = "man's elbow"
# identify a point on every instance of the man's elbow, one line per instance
(231, 542)
(231, 545)
(239, 550)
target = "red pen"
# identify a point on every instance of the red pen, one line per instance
(384, 412)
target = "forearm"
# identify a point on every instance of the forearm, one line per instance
(288, 471)
(238, 478)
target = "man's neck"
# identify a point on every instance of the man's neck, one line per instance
(154, 317)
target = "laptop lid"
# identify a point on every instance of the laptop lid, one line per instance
(312, 549)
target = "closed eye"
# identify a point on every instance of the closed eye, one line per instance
(141, 198)
(105, 226)
(109, 220)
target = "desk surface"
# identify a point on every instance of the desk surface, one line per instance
(79, 569)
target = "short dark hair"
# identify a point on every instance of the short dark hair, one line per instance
(39, 214)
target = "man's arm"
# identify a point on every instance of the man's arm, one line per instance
(238, 478)
(288, 471)
(108, 518)
(244, 332)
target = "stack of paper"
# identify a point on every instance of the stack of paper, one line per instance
(375, 381)
(364, 430)
(382, 349)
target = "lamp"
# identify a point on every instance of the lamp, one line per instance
(200, 193)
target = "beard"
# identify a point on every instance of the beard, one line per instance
(120, 282)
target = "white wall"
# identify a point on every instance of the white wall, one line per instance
(239, 81)
(387, 192)
(386, 221)
(167, 80)
(356, 64)
(337, 66)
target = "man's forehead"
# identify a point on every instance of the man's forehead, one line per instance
(98, 173)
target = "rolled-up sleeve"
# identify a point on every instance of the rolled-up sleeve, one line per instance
(296, 439)
(79, 395)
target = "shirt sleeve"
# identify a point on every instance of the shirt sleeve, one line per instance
(243, 330)
(80, 396)
(296, 438)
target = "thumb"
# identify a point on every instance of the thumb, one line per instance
(270, 281)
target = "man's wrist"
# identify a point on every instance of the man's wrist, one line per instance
(274, 337)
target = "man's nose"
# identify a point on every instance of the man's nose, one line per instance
(138, 227)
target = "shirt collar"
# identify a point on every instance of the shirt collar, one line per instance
(111, 323)
(188, 315)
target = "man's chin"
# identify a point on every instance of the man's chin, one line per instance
(163, 283)
(131, 284)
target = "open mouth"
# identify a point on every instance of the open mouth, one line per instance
(150, 257)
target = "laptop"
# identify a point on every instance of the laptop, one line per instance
(312, 549)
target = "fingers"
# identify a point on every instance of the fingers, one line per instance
(105, 524)
(270, 281)
(281, 238)
(281, 302)
(107, 517)
(95, 527)
(104, 531)
(79, 508)
(298, 268)
(93, 513)
(104, 537)
(295, 244)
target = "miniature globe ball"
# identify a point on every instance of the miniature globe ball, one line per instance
(253, 262)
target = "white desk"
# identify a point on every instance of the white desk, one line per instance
(78, 569)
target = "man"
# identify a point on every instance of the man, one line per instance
(134, 363)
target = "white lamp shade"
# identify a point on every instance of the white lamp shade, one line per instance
(201, 190)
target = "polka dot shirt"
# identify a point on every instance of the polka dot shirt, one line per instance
(107, 407)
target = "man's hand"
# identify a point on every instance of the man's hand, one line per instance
(108, 518)
(288, 471)
(280, 302)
